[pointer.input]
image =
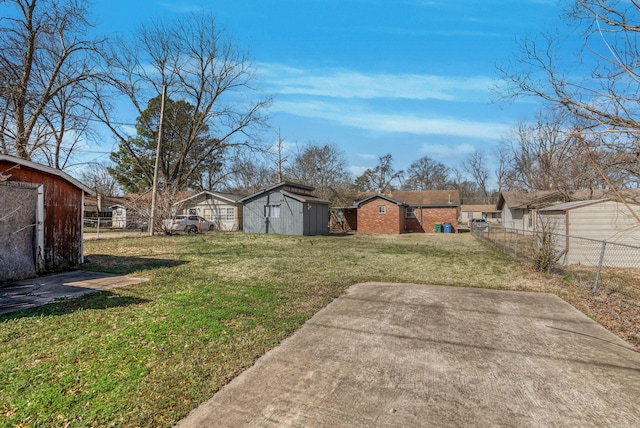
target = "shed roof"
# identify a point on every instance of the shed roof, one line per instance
(304, 198)
(290, 187)
(46, 169)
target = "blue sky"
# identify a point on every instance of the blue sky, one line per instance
(406, 77)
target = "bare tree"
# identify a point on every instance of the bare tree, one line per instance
(469, 191)
(503, 157)
(46, 58)
(247, 173)
(381, 179)
(426, 174)
(199, 66)
(323, 167)
(97, 177)
(476, 166)
(541, 152)
(603, 98)
(548, 155)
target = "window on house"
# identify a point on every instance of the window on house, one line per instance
(229, 213)
(469, 215)
(382, 209)
(272, 211)
(410, 212)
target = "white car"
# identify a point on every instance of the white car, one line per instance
(188, 223)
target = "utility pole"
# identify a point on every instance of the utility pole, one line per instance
(154, 191)
(279, 157)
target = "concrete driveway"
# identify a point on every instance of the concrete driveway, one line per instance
(33, 292)
(403, 355)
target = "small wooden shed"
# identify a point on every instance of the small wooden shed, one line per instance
(580, 227)
(286, 208)
(118, 216)
(42, 212)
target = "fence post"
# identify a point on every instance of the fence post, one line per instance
(595, 284)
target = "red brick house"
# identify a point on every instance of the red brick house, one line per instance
(408, 211)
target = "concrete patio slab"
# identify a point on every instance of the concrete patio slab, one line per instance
(406, 355)
(39, 291)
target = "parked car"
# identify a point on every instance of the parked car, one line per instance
(188, 223)
(478, 224)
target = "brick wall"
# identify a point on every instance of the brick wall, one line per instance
(394, 221)
(426, 219)
(369, 221)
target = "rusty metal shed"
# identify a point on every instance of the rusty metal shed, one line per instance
(42, 217)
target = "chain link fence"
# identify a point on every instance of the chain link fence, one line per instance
(599, 265)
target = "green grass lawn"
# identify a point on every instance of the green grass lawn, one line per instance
(146, 355)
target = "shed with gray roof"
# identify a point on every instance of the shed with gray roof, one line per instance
(286, 208)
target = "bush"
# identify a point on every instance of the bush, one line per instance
(544, 256)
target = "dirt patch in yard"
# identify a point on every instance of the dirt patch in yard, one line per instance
(617, 313)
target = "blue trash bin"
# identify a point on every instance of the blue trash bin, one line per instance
(447, 228)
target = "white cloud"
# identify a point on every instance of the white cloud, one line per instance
(367, 156)
(352, 84)
(392, 122)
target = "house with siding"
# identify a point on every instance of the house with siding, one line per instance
(224, 210)
(286, 208)
(42, 209)
(486, 212)
(520, 209)
(577, 227)
(408, 211)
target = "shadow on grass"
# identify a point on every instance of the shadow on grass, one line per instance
(96, 301)
(125, 265)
